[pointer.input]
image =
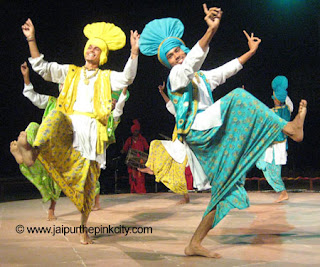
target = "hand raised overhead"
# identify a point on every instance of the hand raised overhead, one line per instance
(28, 29)
(213, 16)
(253, 42)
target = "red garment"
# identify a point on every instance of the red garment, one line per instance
(136, 181)
(140, 144)
(189, 178)
(136, 178)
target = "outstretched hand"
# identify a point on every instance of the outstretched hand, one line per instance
(161, 87)
(213, 16)
(253, 42)
(134, 41)
(24, 69)
(28, 29)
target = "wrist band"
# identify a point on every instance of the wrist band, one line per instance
(31, 38)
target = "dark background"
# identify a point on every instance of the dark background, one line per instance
(290, 33)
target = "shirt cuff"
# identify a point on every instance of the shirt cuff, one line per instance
(27, 89)
(33, 61)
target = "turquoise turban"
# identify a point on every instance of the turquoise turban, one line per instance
(160, 36)
(279, 85)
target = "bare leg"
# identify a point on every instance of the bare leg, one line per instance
(29, 153)
(283, 196)
(84, 237)
(294, 129)
(16, 152)
(96, 203)
(195, 248)
(51, 216)
(146, 170)
(185, 200)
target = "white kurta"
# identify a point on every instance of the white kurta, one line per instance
(85, 128)
(180, 76)
(278, 151)
(37, 99)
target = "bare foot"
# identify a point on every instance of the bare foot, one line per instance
(96, 207)
(16, 152)
(51, 216)
(96, 203)
(28, 153)
(185, 200)
(198, 250)
(294, 129)
(146, 170)
(283, 196)
(85, 239)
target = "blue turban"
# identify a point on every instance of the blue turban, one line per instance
(279, 85)
(160, 36)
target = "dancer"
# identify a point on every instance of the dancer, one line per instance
(138, 142)
(118, 101)
(276, 155)
(227, 136)
(37, 174)
(167, 160)
(71, 141)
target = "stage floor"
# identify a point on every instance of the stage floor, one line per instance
(266, 234)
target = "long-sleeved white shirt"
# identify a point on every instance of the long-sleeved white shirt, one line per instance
(37, 99)
(182, 74)
(84, 127)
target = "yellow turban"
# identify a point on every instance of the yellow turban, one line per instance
(106, 36)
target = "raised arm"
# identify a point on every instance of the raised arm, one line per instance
(25, 73)
(134, 41)
(29, 32)
(212, 18)
(123, 79)
(253, 43)
(169, 104)
(164, 96)
(37, 99)
(181, 74)
(52, 72)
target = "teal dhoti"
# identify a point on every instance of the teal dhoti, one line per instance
(226, 153)
(272, 173)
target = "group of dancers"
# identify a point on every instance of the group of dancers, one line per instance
(219, 140)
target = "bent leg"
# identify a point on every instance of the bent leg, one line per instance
(294, 129)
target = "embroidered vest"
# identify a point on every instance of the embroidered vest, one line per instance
(185, 102)
(102, 101)
(284, 113)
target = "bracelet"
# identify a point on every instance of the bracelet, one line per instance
(31, 38)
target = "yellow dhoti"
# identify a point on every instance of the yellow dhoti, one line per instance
(166, 169)
(75, 175)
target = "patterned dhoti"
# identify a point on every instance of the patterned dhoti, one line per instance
(272, 173)
(75, 175)
(226, 153)
(166, 169)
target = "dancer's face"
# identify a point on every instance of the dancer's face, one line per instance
(93, 54)
(175, 56)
